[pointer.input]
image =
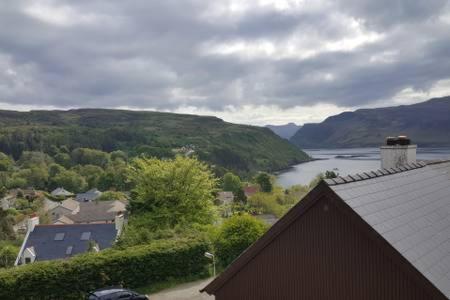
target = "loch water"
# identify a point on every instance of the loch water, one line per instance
(344, 162)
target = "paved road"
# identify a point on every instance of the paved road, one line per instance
(187, 291)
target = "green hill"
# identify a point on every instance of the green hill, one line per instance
(237, 147)
(426, 123)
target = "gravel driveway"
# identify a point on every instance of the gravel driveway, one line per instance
(186, 291)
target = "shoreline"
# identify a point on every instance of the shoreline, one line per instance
(287, 169)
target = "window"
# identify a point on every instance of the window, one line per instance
(27, 260)
(85, 236)
(59, 236)
(69, 250)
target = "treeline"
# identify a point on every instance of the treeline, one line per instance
(76, 170)
(242, 149)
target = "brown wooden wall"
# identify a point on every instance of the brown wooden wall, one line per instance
(322, 255)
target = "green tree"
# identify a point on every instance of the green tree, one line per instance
(86, 156)
(54, 169)
(235, 235)
(231, 183)
(8, 254)
(6, 226)
(171, 192)
(3, 191)
(34, 158)
(112, 195)
(265, 182)
(240, 196)
(63, 159)
(331, 174)
(119, 155)
(70, 180)
(6, 163)
(36, 176)
(91, 173)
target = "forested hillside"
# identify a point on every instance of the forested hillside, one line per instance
(426, 123)
(240, 148)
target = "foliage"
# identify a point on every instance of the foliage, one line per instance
(3, 191)
(86, 156)
(8, 254)
(171, 192)
(134, 267)
(112, 195)
(231, 183)
(240, 148)
(235, 235)
(6, 226)
(330, 174)
(265, 182)
(240, 196)
(70, 180)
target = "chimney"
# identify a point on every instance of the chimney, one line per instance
(397, 152)
(32, 222)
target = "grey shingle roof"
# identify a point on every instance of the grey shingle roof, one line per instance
(410, 209)
(97, 211)
(42, 238)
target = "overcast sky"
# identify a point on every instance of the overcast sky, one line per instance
(255, 62)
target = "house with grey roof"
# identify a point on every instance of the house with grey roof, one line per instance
(61, 192)
(224, 197)
(95, 212)
(58, 209)
(91, 195)
(50, 242)
(381, 234)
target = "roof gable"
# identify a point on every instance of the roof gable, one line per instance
(52, 241)
(439, 287)
(411, 211)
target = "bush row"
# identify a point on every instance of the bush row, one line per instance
(133, 267)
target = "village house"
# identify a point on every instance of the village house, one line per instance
(251, 190)
(88, 196)
(225, 197)
(94, 212)
(57, 210)
(50, 242)
(61, 192)
(382, 234)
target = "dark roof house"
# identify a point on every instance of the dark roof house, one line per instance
(49, 242)
(376, 235)
(88, 196)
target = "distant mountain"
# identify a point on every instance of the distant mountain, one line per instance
(426, 123)
(285, 131)
(241, 148)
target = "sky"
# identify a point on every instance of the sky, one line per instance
(246, 61)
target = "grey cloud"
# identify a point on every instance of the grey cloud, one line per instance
(148, 55)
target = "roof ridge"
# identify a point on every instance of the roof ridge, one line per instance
(378, 173)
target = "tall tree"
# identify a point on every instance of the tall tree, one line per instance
(231, 183)
(264, 181)
(6, 226)
(171, 192)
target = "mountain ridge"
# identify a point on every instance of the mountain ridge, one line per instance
(369, 127)
(285, 131)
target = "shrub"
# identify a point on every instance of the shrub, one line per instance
(235, 235)
(134, 267)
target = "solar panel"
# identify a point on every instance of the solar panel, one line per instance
(85, 236)
(59, 236)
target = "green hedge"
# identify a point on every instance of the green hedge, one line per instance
(133, 267)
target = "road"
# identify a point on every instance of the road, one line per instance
(186, 291)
